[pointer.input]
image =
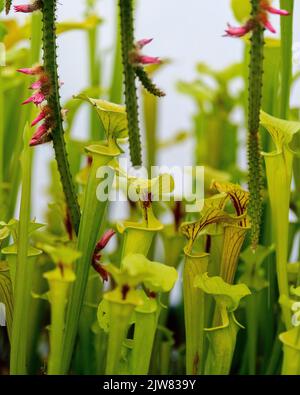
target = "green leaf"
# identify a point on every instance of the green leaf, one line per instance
(3, 32)
(224, 293)
(211, 215)
(238, 196)
(61, 254)
(116, 297)
(149, 305)
(157, 186)
(254, 274)
(4, 232)
(279, 176)
(295, 291)
(155, 276)
(241, 9)
(89, 23)
(281, 131)
(103, 315)
(113, 117)
(137, 269)
(6, 297)
(12, 228)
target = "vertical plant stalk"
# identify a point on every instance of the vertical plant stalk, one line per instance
(115, 91)
(255, 181)
(234, 237)
(286, 45)
(252, 332)
(222, 342)
(291, 351)
(119, 321)
(92, 217)
(18, 356)
(50, 65)
(144, 335)
(127, 40)
(96, 131)
(194, 312)
(2, 195)
(58, 305)
(150, 107)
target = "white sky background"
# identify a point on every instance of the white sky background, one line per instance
(186, 31)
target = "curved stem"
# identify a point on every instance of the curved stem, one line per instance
(255, 95)
(50, 65)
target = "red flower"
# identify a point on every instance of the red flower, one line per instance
(97, 255)
(239, 31)
(32, 71)
(138, 58)
(144, 41)
(265, 5)
(142, 59)
(43, 114)
(262, 19)
(26, 8)
(37, 98)
(104, 240)
(39, 135)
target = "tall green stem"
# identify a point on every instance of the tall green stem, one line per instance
(194, 312)
(144, 334)
(254, 105)
(2, 207)
(18, 357)
(50, 65)
(115, 92)
(58, 304)
(119, 321)
(92, 217)
(127, 39)
(286, 56)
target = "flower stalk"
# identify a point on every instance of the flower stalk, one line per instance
(57, 132)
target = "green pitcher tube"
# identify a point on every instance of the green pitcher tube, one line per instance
(194, 311)
(91, 220)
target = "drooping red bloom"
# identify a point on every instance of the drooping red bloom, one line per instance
(43, 114)
(26, 8)
(37, 138)
(36, 85)
(144, 41)
(68, 224)
(262, 19)
(238, 31)
(41, 85)
(266, 23)
(43, 88)
(265, 5)
(37, 98)
(138, 58)
(32, 70)
(143, 59)
(104, 239)
(97, 254)
(100, 269)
